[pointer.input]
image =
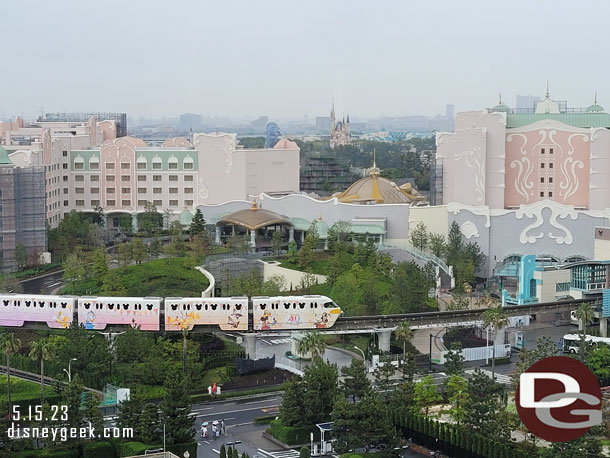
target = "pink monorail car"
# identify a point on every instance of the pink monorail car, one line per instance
(98, 312)
(55, 311)
(229, 313)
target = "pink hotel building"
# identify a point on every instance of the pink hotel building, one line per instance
(88, 166)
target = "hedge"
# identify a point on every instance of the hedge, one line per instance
(264, 419)
(138, 448)
(199, 398)
(104, 449)
(49, 453)
(293, 435)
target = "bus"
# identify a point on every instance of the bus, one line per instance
(569, 342)
(574, 320)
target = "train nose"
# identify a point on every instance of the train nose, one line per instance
(336, 311)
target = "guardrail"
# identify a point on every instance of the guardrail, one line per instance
(32, 377)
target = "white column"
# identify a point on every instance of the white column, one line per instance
(253, 238)
(291, 235)
(249, 343)
(217, 237)
(603, 327)
(383, 337)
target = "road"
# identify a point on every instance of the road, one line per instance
(43, 284)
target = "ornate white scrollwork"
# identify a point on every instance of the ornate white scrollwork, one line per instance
(469, 230)
(557, 211)
(473, 158)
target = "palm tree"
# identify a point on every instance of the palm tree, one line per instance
(404, 333)
(585, 314)
(185, 333)
(312, 343)
(42, 350)
(10, 345)
(497, 318)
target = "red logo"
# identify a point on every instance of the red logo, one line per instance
(559, 399)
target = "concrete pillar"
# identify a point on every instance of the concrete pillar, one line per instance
(232, 231)
(302, 236)
(383, 337)
(249, 343)
(500, 336)
(217, 237)
(291, 235)
(603, 327)
(325, 244)
(134, 222)
(252, 238)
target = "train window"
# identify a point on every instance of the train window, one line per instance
(198, 306)
(18, 303)
(125, 306)
(183, 306)
(5, 302)
(224, 306)
(294, 305)
(87, 305)
(27, 303)
(262, 306)
(149, 306)
(286, 305)
(302, 305)
(41, 304)
(237, 306)
(311, 305)
(206, 306)
(174, 306)
(188, 306)
(213, 306)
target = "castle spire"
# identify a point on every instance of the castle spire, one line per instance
(595, 101)
(500, 99)
(548, 96)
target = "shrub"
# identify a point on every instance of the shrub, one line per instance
(304, 453)
(100, 450)
(264, 419)
(293, 435)
(134, 448)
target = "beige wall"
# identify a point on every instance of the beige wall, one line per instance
(546, 291)
(435, 218)
(292, 278)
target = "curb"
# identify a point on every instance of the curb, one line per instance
(237, 398)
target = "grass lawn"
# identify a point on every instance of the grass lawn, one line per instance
(22, 390)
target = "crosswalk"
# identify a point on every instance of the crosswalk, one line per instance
(500, 378)
(279, 454)
(277, 341)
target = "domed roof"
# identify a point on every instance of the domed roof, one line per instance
(186, 217)
(501, 107)
(379, 190)
(254, 218)
(595, 108)
(285, 144)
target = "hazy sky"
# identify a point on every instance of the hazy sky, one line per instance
(288, 58)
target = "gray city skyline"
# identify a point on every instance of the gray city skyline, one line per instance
(240, 59)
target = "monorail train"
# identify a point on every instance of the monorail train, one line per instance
(259, 313)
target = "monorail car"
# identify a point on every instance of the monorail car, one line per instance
(97, 312)
(294, 312)
(55, 311)
(229, 313)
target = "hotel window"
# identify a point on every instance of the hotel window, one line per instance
(95, 190)
(79, 165)
(65, 178)
(173, 178)
(550, 165)
(542, 165)
(125, 178)
(541, 194)
(173, 165)
(550, 150)
(125, 166)
(94, 177)
(80, 190)
(188, 165)
(141, 177)
(80, 203)
(125, 190)
(156, 177)
(65, 203)
(109, 177)
(65, 190)
(157, 164)
(109, 190)
(109, 165)
(110, 203)
(156, 190)
(188, 190)
(65, 153)
(173, 203)
(79, 177)
(141, 190)
(126, 203)
(94, 165)
(95, 203)
(550, 193)
(173, 190)
(157, 203)
(550, 179)
(141, 165)
(64, 166)
(542, 151)
(541, 179)
(188, 203)
(188, 177)
(142, 203)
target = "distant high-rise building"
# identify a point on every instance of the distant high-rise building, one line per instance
(527, 101)
(119, 118)
(449, 111)
(322, 123)
(190, 121)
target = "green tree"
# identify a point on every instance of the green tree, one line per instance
(292, 408)
(355, 383)
(483, 409)
(92, 410)
(99, 217)
(320, 381)
(21, 256)
(42, 350)
(100, 266)
(277, 241)
(11, 345)
(599, 361)
(74, 269)
(71, 397)
(304, 453)
(223, 451)
(437, 245)
(130, 412)
(404, 333)
(409, 288)
(457, 394)
(458, 302)
(426, 395)
(175, 409)
(454, 360)
(419, 236)
(197, 223)
(293, 254)
(312, 343)
(153, 248)
(112, 285)
(177, 246)
(497, 318)
(148, 423)
(125, 253)
(585, 315)
(150, 221)
(455, 244)
(138, 250)
(382, 375)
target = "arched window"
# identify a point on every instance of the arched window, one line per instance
(94, 163)
(79, 163)
(188, 163)
(157, 163)
(141, 163)
(172, 163)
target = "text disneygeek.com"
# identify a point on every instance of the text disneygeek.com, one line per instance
(62, 433)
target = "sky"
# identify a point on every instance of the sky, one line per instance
(286, 59)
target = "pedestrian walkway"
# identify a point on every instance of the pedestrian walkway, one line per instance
(500, 378)
(290, 453)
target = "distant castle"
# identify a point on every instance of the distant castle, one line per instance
(339, 131)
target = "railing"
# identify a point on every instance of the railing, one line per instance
(281, 362)
(421, 255)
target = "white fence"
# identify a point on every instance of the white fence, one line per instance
(476, 354)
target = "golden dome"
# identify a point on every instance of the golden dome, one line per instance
(253, 218)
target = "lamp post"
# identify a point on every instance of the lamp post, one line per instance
(363, 357)
(430, 358)
(69, 371)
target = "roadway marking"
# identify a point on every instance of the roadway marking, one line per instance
(240, 410)
(264, 400)
(214, 450)
(201, 409)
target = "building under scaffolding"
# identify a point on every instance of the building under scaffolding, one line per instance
(228, 267)
(324, 174)
(22, 212)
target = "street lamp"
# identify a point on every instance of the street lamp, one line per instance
(363, 357)
(69, 371)
(432, 337)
